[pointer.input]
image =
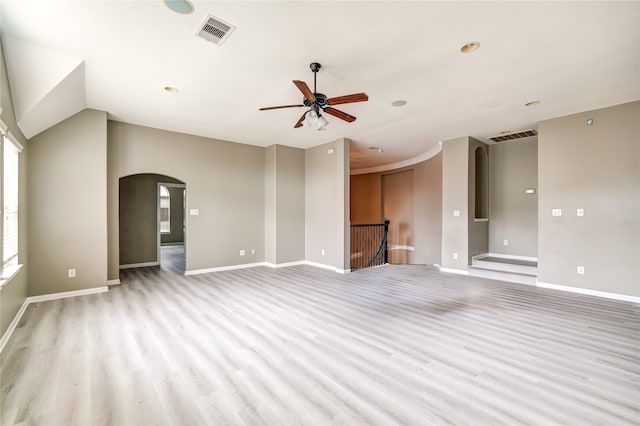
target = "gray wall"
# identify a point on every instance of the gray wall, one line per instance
(138, 217)
(67, 215)
(427, 206)
(14, 293)
(225, 181)
(327, 204)
(284, 204)
(455, 196)
(596, 168)
(514, 214)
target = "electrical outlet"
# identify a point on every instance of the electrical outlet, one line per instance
(455, 256)
(241, 252)
(505, 242)
(580, 270)
(72, 273)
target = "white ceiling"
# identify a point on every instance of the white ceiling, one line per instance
(572, 56)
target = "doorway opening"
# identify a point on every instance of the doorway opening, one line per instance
(171, 204)
(142, 236)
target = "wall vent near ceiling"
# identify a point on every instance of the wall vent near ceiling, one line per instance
(514, 135)
(214, 30)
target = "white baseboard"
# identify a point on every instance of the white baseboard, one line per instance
(268, 264)
(139, 265)
(284, 265)
(597, 293)
(42, 298)
(7, 334)
(224, 268)
(65, 294)
(323, 266)
(454, 271)
(113, 282)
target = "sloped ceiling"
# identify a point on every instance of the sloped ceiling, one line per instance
(571, 56)
(47, 85)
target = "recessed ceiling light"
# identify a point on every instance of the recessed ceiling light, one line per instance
(532, 103)
(470, 47)
(399, 103)
(183, 7)
(171, 89)
(375, 148)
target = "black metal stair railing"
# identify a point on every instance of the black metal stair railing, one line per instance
(369, 244)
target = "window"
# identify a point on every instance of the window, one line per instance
(10, 162)
(165, 207)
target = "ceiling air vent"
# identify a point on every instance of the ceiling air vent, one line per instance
(512, 136)
(215, 30)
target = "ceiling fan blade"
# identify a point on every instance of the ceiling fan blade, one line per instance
(302, 86)
(278, 107)
(340, 114)
(299, 123)
(347, 99)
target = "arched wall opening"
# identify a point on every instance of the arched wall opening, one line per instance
(146, 222)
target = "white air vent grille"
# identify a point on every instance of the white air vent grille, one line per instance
(515, 135)
(215, 30)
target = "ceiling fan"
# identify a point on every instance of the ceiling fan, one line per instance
(317, 102)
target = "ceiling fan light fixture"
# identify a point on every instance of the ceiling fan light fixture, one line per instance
(322, 122)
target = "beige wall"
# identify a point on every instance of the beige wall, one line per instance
(397, 208)
(14, 293)
(327, 204)
(514, 214)
(596, 168)
(225, 181)
(284, 204)
(290, 204)
(366, 201)
(455, 196)
(67, 215)
(366, 206)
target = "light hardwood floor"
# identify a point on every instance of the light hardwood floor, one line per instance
(300, 345)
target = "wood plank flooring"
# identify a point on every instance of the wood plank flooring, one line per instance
(304, 346)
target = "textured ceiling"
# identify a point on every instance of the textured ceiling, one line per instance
(572, 56)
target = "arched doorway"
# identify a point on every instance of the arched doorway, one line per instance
(151, 222)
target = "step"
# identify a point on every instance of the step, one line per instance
(505, 263)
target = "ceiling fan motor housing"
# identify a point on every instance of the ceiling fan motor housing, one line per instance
(321, 100)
